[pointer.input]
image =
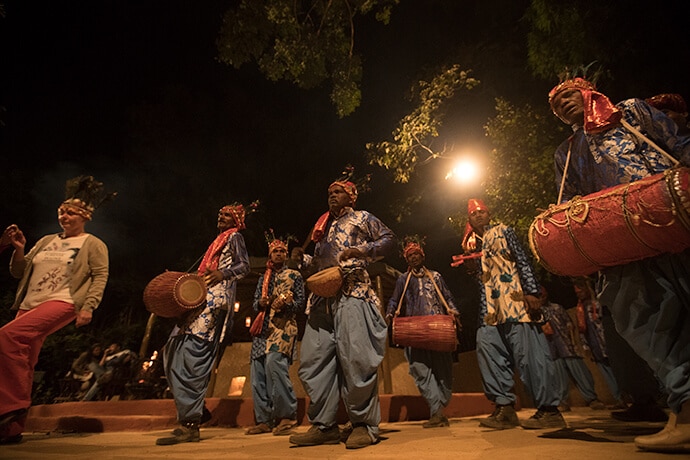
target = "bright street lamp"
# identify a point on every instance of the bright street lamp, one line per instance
(465, 171)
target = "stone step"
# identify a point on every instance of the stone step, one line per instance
(160, 414)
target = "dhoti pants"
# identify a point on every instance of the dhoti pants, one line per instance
(433, 374)
(523, 345)
(342, 347)
(272, 391)
(188, 362)
(649, 301)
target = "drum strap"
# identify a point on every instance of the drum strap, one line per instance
(438, 292)
(402, 296)
(565, 169)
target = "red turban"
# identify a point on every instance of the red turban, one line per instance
(349, 187)
(238, 213)
(599, 112)
(320, 226)
(411, 248)
(276, 244)
(474, 204)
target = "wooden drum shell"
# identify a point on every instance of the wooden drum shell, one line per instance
(172, 294)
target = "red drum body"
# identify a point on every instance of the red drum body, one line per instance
(171, 294)
(326, 283)
(432, 332)
(615, 226)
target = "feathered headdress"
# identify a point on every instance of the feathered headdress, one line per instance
(85, 194)
(275, 242)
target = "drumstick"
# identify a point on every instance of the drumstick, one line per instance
(565, 170)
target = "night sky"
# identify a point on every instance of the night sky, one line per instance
(130, 92)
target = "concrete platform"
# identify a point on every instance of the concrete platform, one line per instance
(591, 435)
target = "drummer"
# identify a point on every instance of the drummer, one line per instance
(423, 292)
(649, 299)
(509, 333)
(191, 350)
(345, 336)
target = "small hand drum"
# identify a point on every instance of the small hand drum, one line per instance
(326, 283)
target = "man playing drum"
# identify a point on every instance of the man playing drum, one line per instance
(191, 350)
(649, 299)
(509, 333)
(424, 292)
(345, 336)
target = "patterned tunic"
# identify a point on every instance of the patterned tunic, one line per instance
(280, 328)
(360, 230)
(421, 298)
(507, 276)
(234, 263)
(617, 156)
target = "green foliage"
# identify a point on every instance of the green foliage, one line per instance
(413, 138)
(521, 172)
(305, 43)
(557, 37)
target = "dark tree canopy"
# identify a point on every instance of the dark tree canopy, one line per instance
(305, 43)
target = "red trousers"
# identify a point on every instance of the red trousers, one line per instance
(20, 343)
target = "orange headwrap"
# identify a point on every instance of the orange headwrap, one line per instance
(320, 226)
(276, 244)
(599, 112)
(238, 213)
(349, 187)
(411, 248)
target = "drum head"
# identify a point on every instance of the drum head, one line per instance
(190, 291)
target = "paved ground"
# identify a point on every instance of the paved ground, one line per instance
(591, 435)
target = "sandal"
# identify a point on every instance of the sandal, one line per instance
(259, 429)
(284, 427)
